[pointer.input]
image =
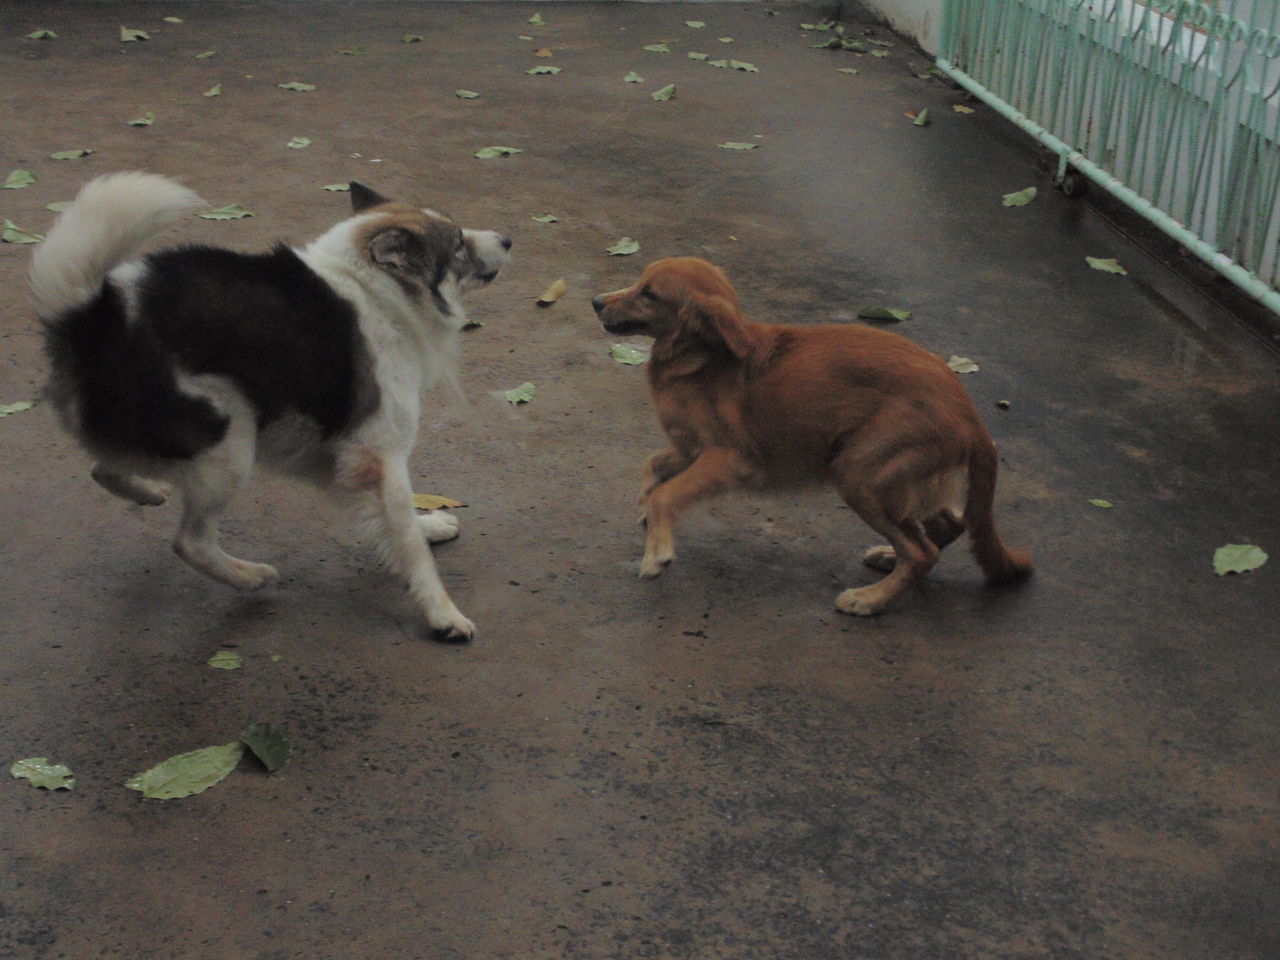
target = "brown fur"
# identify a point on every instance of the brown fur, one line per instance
(766, 405)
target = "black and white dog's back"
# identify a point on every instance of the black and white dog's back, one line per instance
(185, 366)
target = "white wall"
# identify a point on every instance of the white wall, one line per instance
(919, 19)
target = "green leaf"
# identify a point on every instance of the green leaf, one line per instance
(226, 660)
(206, 55)
(624, 247)
(299, 143)
(172, 19)
(466, 94)
(352, 52)
(336, 187)
(1019, 199)
(725, 39)
(743, 66)
(232, 211)
(629, 355)
(633, 77)
(922, 118)
(537, 20)
(296, 85)
(545, 218)
(39, 772)
(267, 742)
(697, 56)
(59, 205)
(70, 154)
(129, 36)
(694, 24)
(411, 38)
(1237, 558)
(541, 71)
(146, 120)
(720, 64)
(1110, 265)
(521, 394)
(488, 153)
(880, 43)
(962, 364)
(13, 233)
(857, 47)
(665, 93)
(732, 145)
(658, 48)
(15, 407)
(961, 108)
(187, 773)
(874, 53)
(883, 313)
(18, 179)
(1102, 504)
(214, 91)
(42, 35)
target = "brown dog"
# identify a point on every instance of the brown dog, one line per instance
(765, 405)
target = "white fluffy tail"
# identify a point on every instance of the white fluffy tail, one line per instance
(112, 217)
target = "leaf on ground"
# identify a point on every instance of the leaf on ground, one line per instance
(298, 143)
(626, 354)
(657, 48)
(664, 93)
(697, 56)
(521, 394)
(226, 660)
(17, 179)
(214, 91)
(433, 501)
(70, 154)
(725, 39)
(880, 43)
(59, 205)
(267, 742)
(129, 36)
(879, 53)
(694, 24)
(624, 247)
(488, 153)
(412, 38)
(352, 52)
(206, 54)
(815, 26)
(743, 66)
(961, 364)
(146, 120)
(542, 71)
(846, 69)
(733, 145)
(1019, 198)
(859, 47)
(173, 20)
(537, 20)
(39, 772)
(232, 211)
(922, 118)
(961, 108)
(42, 35)
(719, 64)
(187, 773)
(17, 406)
(13, 233)
(545, 218)
(336, 187)
(297, 85)
(1101, 504)
(554, 292)
(543, 52)
(466, 94)
(633, 77)
(1109, 265)
(1237, 558)
(883, 313)
(831, 43)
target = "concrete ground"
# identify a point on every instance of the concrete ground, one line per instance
(715, 764)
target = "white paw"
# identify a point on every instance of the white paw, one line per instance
(244, 575)
(860, 602)
(449, 624)
(880, 558)
(438, 526)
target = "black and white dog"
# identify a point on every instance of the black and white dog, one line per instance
(183, 367)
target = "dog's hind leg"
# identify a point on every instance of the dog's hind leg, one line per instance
(714, 471)
(942, 528)
(128, 486)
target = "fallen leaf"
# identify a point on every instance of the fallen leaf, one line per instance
(962, 364)
(41, 35)
(623, 247)
(59, 205)
(336, 187)
(731, 145)
(961, 108)
(129, 36)
(70, 154)
(18, 179)
(206, 55)
(1237, 558)
(187, 773)
(488, 153)
(665, 93)
(633, 77)
(626, 354)
(543, 52)
(846, 69)
(922, 118)
(298, 143)
(524, 36)
(1110, 265)
(466, 94)
(858, 47)
(39, 772)
(880, 43)
(232, 211)
(352, 52)
(694, 24)
(296, 85)
(1102, 504)
(214, 91)
(226, 660)
(521, 394)
(15, 407)
(721, 64)
(658, 48)
(545, 218)
(411, 38)
(725, 39)
(883, 313)
(1020, 198)
(146, 120)
(433, 501)
(537, 20)
(267, 742)
(553, 293)
(743, 66)
(172, 19)
(13, 233)
(542, 71)
(879, 53)
(697, 56)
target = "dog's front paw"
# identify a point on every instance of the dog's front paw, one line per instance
(652, 564)
(438, 526)
(244, 575)
(880, 558)
(860, 602)
(451, 626)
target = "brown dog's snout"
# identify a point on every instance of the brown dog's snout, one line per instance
(597, 304)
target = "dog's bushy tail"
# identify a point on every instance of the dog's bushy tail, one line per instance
(1000, 564)
(112, 217)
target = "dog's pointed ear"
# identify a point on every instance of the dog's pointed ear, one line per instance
(362, 198)
(397, 249)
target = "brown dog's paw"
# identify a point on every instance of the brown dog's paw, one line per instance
(880, 558)
(860, 602)
(652, 566)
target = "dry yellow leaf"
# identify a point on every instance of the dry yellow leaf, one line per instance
(552, 293)
(543, 52)
(431, 501)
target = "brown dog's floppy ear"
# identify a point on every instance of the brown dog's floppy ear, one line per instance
(362, 198)
(721, 322)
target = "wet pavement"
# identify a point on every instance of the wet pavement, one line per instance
(715, 764)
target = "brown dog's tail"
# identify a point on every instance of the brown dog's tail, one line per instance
(1000, 564)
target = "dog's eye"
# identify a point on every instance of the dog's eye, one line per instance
(648, 294)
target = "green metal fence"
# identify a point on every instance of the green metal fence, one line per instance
(1172, 105)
